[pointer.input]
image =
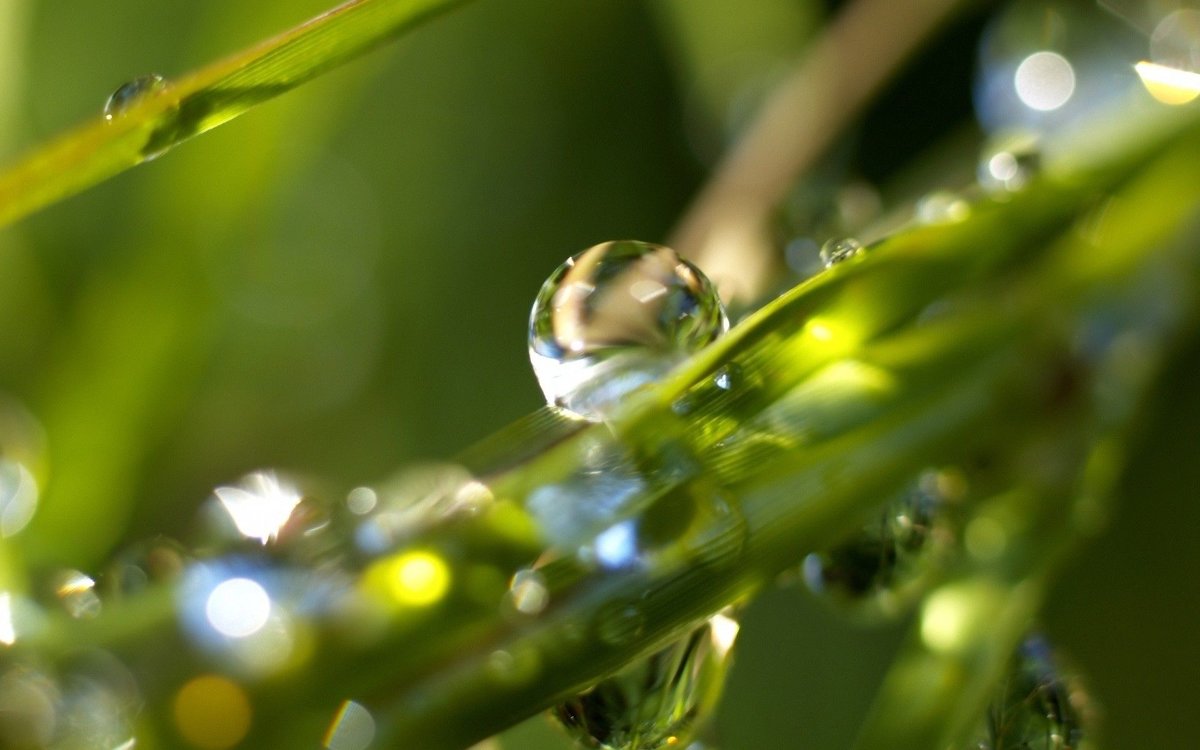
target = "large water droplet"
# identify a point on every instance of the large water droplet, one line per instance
(884, 567)
(130, 93)
(659, 701)
(839, 249)
(1036, 706)
(617, 317)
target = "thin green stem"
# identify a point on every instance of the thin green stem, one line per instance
(202, 100)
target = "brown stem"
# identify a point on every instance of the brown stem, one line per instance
(726, 229)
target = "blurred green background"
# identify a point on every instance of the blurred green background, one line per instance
(338, 283)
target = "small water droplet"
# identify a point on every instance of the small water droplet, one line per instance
(657, 702)
(527, 593)
(131, 92)
(727, 377)
(1037, 705)
(882, 569)
(77, 593)
(942, 207)
(838, 250)
(617, 317)
(155, 561)
(1009, 164)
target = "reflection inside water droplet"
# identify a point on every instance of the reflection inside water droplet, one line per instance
(617, 546)
(131, 92)
(1037, 705)
(727, 377)
(260, 505)
(657, 702)
(881, 570)
(691, 524)
(839, 250)
(570, 513)
(617, 317)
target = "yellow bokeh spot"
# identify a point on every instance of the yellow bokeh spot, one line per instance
(830, 334)
(945, 621)
(212, 712)
(1169, 85)
(955, 616)
(416, 578)
(820, 329)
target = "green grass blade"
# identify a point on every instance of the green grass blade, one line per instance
(203, 100)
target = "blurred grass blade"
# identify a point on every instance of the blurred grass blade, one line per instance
(938, 688)
(203, 100)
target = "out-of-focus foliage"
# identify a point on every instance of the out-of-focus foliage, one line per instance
(339, 283)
